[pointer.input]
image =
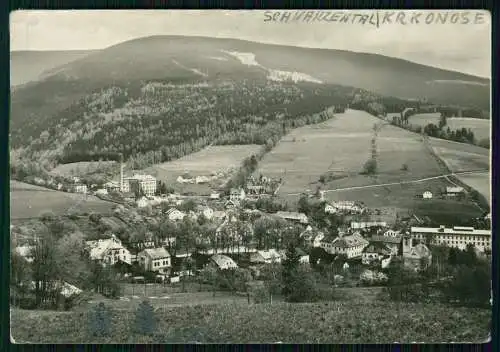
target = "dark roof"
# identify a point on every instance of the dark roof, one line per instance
(377, 247)
(386, 239)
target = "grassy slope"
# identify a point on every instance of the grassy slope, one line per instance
(30, 202)
(334, 322)
(27, 66)
(342, 145)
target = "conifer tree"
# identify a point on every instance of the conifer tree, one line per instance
(145, 320)
(100, 321)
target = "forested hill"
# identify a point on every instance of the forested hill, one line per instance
(171, 95)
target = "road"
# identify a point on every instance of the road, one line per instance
(397, 183)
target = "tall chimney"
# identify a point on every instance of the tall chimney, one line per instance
(121, 173)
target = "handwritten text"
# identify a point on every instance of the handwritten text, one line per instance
(378, 18)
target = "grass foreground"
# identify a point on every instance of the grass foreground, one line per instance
(327, 322)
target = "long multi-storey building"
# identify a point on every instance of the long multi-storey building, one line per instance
(145, 182)
(457, 236)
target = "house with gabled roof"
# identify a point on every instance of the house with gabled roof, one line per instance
(108, 251)
(375, 252)
(351, 245)
(155, 259)
(222, 262)
(175, 214)
(265, 257)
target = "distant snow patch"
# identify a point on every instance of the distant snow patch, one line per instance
(456, 81)
(280, 76)
(219, 58)
(273, 75)
(245, 58)
(198, 72)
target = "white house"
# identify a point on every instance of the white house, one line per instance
(109, 251)
(427, 195)
(330, 209)
(214, 195)
(175, 215)
(155, 259)
(267, 257)
(222, 262)
(454, 191)
(355, 225)
(202, 179)
(293, 216)
(101, 192)
(26, 252)
(352, 245)
(142, 202)
(80, 188)
(237, 194)
(207, 212)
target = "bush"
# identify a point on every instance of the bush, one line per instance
(404, 167)
(99, 323)
(145, 320)
(370, 167)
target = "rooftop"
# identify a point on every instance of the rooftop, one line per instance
(141, 177)
(157, 253)
(456, 230)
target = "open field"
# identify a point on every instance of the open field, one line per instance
(81, 168)
(206, 161)
(21, 186)
(342, 145)
(480, 127)
(425, 119)
(327, 322)
(481, 182)
(32, 203)
(461, 157)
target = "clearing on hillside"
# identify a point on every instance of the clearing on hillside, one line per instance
(460, 157)
(206, 162)
(81, 168)
(480, 181)
(425, 119)
(30, 203)
(339, 147)
(480, 127)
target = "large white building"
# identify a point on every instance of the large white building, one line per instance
(108, 251)
(147, 183)
(457, 236)
(352, 246)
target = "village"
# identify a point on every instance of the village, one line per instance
(246, 228)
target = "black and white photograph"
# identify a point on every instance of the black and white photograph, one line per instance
(250, 176)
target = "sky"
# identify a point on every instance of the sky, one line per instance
(458, 47)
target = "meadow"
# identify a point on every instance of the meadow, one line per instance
(82, 168)
(341, 146)
(325, 322)
(460, 157)
(212, 159)
(31, 203)
(481, 182)
(480, 127)
(425, 119)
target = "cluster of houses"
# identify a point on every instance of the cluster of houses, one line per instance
(202, 179)
(261, 185)
(345, 207)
